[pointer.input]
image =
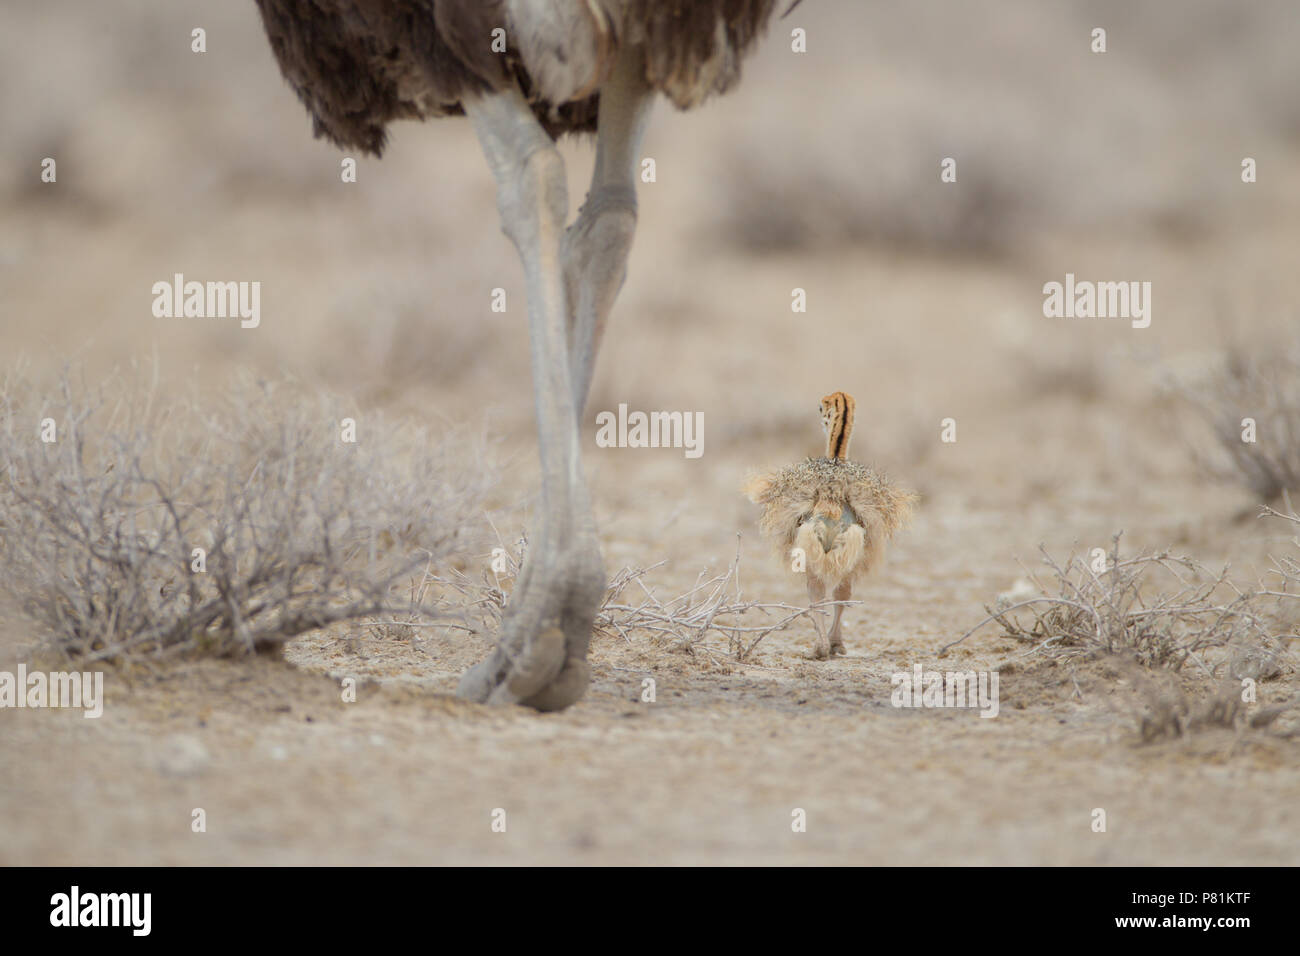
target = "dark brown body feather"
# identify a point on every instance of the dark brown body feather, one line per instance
(358, 65)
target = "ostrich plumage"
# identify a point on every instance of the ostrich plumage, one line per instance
(357, 65)
(525, 72)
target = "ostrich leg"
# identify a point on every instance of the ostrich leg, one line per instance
(842, 592)
(595, 247)
(817, 592)
(540, 659)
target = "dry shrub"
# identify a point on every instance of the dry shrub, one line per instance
(1264, 386)
(1143, 619)
(1287, 567)
(1170, 709)
(300, 529)
(1158, 610)
(1286, 571)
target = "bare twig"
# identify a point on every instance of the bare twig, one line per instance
(713, 606)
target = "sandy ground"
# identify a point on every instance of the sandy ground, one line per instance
(381, 292)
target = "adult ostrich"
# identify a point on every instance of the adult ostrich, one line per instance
(526, 72)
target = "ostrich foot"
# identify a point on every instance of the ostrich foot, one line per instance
(541, 657)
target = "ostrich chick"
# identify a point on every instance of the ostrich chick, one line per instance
(837, 513)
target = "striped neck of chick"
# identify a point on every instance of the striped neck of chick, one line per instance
(837, 422)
